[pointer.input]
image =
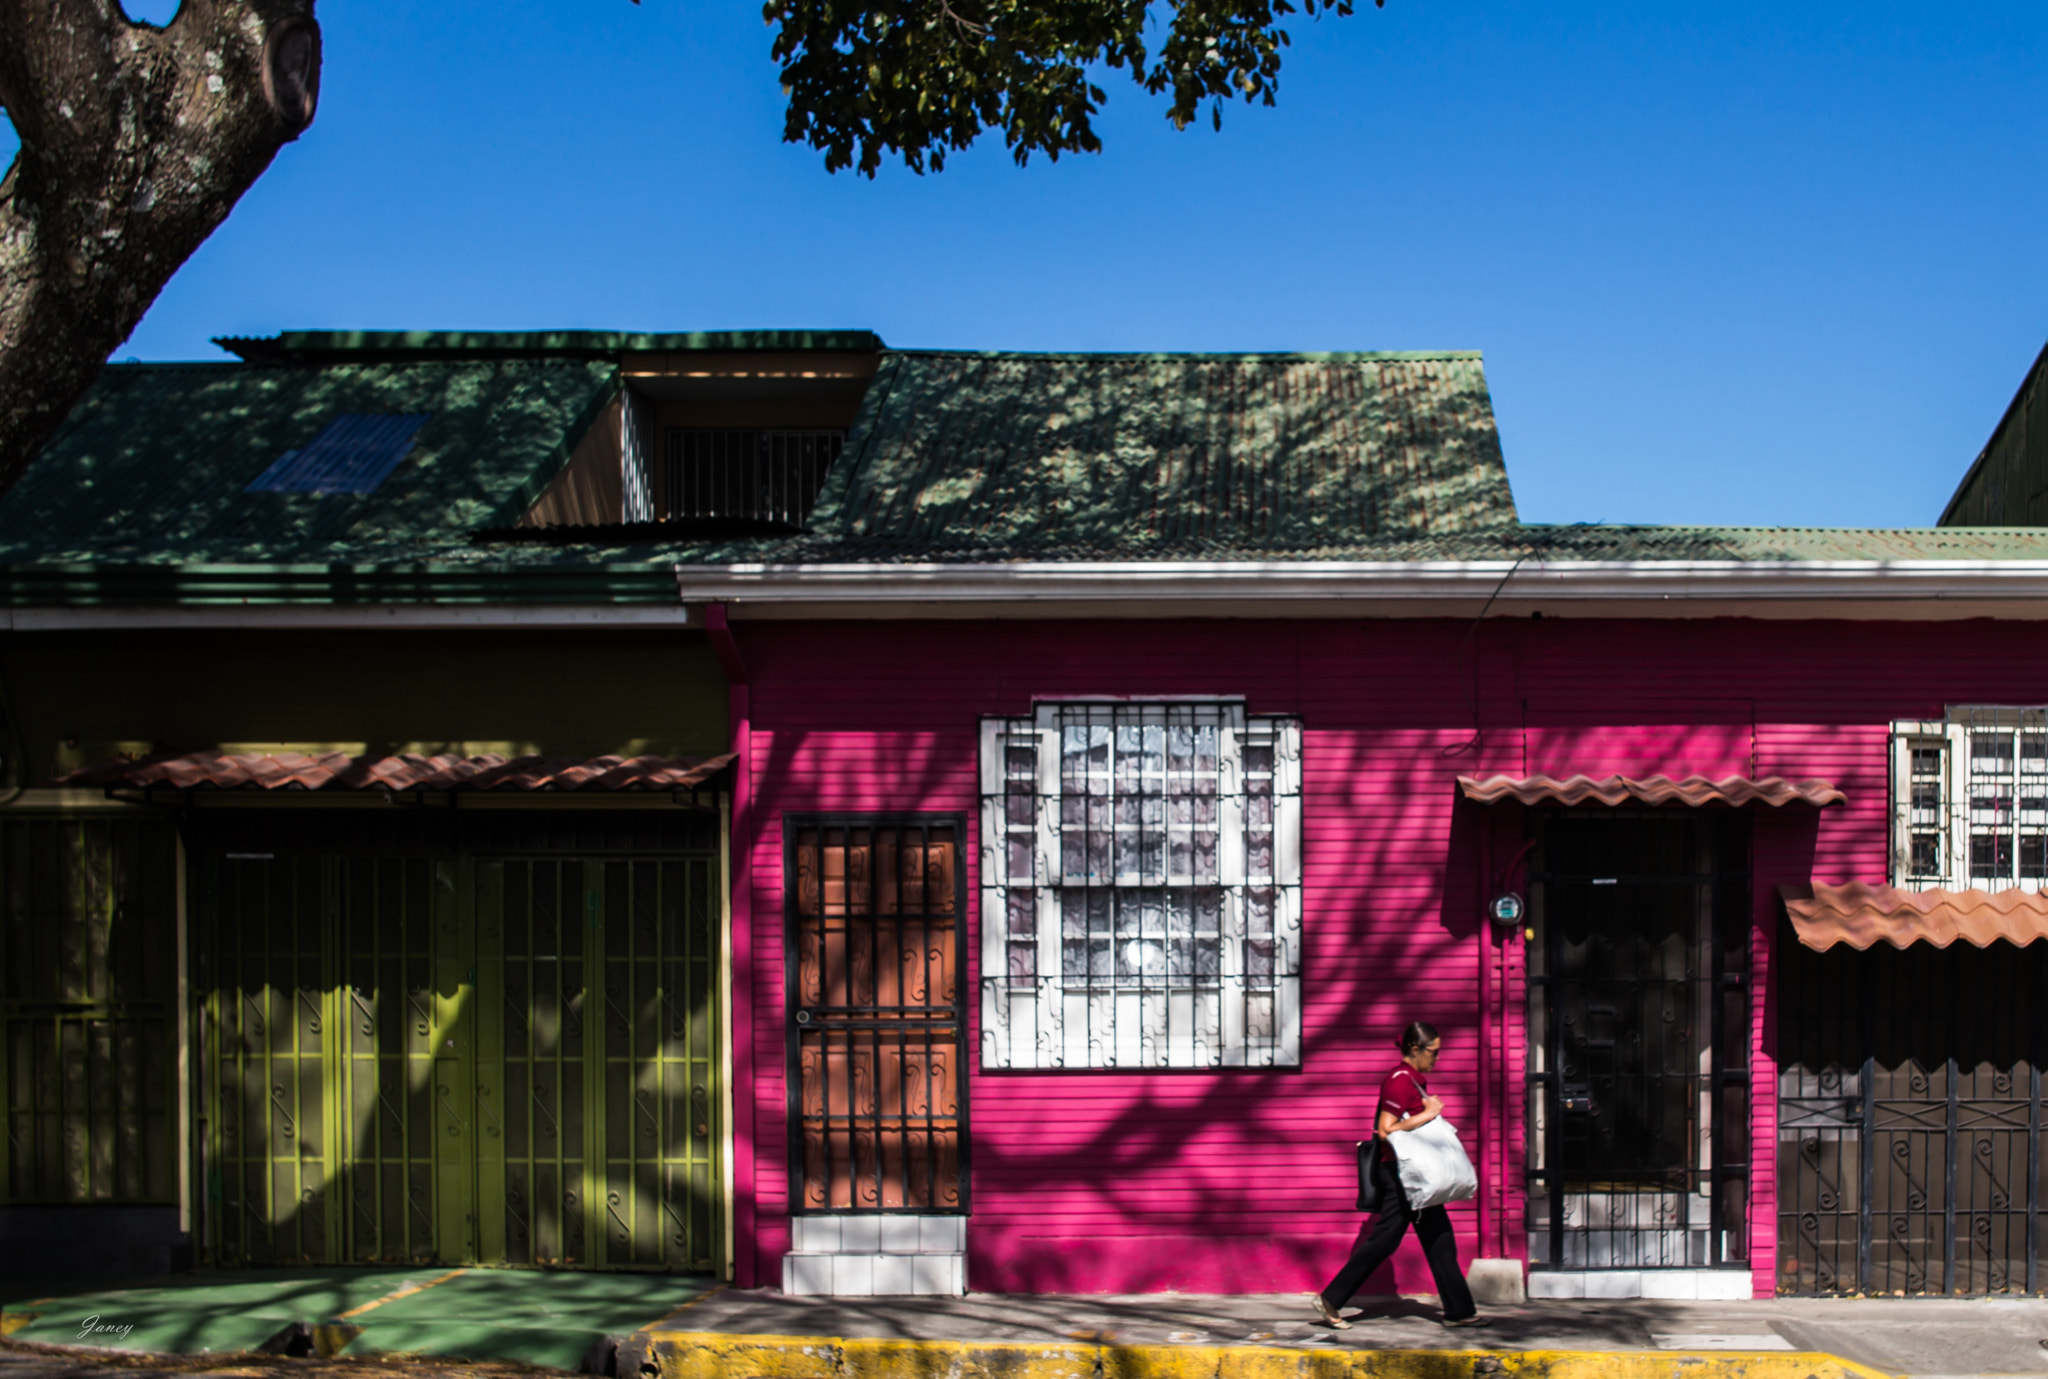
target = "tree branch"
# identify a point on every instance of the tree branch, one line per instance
(135, 144)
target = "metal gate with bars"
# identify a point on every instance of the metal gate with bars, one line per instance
(465, 1059)
(1909, 1118)
(88, 994)
(1639, 1011)
(752, 475)
(878, 1108)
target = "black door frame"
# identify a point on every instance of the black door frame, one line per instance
(1725, 986)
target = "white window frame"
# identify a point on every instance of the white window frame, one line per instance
(1962, 813)
(1032, 1015)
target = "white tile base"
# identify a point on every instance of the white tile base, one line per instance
(874, 1276)
(871, 1255)
(1690, 1285)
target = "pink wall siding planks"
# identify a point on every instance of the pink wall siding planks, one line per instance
(1242, 1181)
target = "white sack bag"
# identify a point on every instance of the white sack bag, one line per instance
(1434, 1169)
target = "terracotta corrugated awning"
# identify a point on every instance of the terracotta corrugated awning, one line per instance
(338, 771)
(1617, 790)
(1861, 915)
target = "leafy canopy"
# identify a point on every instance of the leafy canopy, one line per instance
(921, 77)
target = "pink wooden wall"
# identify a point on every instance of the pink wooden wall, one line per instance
(1241, 1181)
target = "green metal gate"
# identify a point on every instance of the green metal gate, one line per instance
(469, 1060)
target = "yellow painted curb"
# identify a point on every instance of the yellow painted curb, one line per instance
(712, 1355)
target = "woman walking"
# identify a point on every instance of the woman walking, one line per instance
(1404, 1104)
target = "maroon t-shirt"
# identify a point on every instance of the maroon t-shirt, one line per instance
(1402, 1092)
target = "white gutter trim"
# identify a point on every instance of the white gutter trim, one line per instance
(344, 618)
(1387, 580)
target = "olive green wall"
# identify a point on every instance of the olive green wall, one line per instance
(82, 697)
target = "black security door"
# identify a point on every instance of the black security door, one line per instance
(1909, 1118)
(1640, 1002)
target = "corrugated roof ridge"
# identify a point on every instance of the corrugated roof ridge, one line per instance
(1219, 356)
(171, 365)
(325, 344)
(1637, 528)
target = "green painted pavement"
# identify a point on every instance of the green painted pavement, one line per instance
(499, 1314)
(228, 1309)
(510, 1314)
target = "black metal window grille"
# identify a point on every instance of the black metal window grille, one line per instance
(1909, 1119)
(1970, 799)
(1640, 1023)
(877, 1086)
(752, 475)
(1142, 898)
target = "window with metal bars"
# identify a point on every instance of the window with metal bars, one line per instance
(1141, 894)
(1970, 800)
(751, 475)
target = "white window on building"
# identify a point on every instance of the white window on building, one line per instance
(1970, 800)
(1141, 887)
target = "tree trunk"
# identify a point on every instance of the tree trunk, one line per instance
(135, 144)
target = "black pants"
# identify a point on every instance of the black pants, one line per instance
(1382, 1232)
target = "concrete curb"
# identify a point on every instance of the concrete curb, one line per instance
(710, 1355)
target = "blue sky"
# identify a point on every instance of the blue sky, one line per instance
(1730, 263)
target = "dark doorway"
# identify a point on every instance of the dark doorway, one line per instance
(1909, 1118)
(1639, 1040)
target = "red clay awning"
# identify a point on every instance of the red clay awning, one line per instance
(1861, 915)
(337, 771)
(1618, 790)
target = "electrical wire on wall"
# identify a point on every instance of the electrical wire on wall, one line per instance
(1471, 746)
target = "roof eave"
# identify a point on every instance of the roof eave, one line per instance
(1504, 581)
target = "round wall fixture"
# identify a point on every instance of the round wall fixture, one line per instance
(1506, 909)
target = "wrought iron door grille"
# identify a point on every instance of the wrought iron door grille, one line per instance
(755, 475)
(1639, 1012)
(878, 1107)
(1909, 1122)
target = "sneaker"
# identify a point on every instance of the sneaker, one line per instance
(1327, 1314)
(1469, 1321)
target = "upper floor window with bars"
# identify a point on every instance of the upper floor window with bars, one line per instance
(750, 475)
(1970, 800)
(1141, 887)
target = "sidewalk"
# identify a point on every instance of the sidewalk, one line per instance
(1925, 1337)
(691, 1328)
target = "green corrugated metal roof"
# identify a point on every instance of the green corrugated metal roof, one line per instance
(956, 457)
(1264, 452)
(341, 346)
(152, 464)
